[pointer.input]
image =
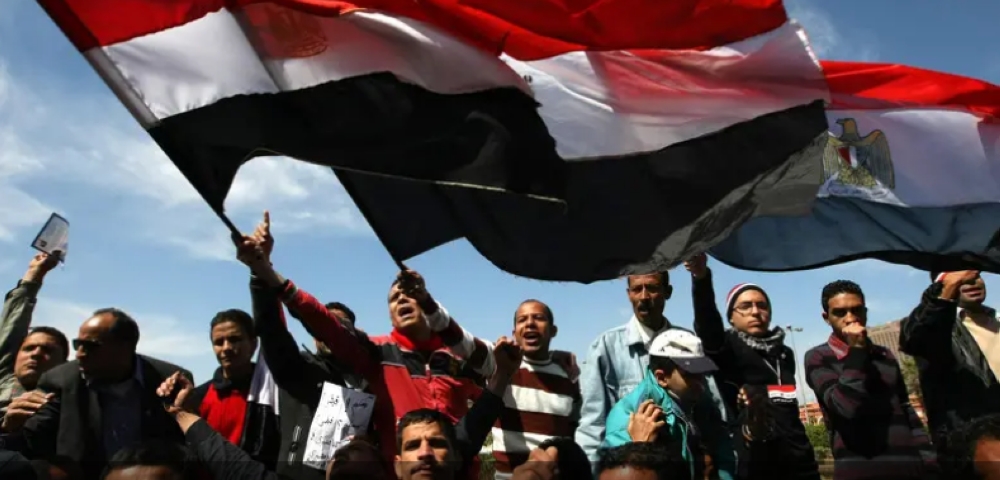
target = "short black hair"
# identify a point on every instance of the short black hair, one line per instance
(425, 415)
(959, 451)
(664, 277)
(545, 308)
(343, 308)
(838, 287)
(357, 458)
(56, 334)
(123, 328)
(152, 453)
(239, 317)
(661, 363)
(572, 461)
(664, 459)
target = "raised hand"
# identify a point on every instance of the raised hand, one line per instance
(41, 264)
(508, 355)
(412, 284)
(263, 234)
(644, 425)
(250, 252)
(697, 266)
(182, 386)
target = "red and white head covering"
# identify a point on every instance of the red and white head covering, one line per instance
(735, 292)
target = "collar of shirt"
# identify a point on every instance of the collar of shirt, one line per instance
(839, 347)
(959, 313)
(121, 387)
(641, 334)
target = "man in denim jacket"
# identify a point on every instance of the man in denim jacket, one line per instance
(618, 360)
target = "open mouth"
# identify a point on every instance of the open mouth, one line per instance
(405, 311)
(531, 338)
(423, 468)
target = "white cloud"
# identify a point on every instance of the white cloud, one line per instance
(160, 336)
(89, 143)
(19, 210)
(831, 41)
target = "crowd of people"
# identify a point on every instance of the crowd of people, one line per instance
(652, 400)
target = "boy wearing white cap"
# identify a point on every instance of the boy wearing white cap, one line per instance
(663, 407)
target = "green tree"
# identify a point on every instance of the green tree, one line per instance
(818, 436)
(820, 440)
(911, 375)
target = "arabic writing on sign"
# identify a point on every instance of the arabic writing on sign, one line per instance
(341, 413)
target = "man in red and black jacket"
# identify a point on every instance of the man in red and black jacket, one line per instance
(222, 401)
(428, 361)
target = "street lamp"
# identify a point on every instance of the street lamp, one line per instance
(798, 379)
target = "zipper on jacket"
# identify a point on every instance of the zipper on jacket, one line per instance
(295, 443)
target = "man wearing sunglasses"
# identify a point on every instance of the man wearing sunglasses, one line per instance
(103, 401)
(876, 434)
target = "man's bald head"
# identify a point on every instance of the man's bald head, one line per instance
(106, 345)
(117, 325)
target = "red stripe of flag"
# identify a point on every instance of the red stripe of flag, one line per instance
(526, 29)
(857, 85)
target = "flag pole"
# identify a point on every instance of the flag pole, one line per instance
(229, 223)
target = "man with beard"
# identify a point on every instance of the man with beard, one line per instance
(953, 335)
(543, 401)
(618, 360)
(752, 356)
(26, 353)
(224, 401)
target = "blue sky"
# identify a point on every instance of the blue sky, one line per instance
(142, 239)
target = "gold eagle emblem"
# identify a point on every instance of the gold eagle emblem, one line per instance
(859, 161)
(286, 33)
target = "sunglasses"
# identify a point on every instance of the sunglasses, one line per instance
(86, 345)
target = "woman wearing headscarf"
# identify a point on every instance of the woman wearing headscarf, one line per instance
(756, 379)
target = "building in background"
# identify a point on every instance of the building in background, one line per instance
(887, 335)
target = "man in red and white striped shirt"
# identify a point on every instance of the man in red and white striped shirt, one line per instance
(543, 400)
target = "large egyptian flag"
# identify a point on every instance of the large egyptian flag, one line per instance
(912, 173)
(567, 140)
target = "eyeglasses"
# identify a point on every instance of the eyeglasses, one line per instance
(746, 307)
(86, 345)
(858, 311)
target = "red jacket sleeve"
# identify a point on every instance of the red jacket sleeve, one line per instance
(345, 347)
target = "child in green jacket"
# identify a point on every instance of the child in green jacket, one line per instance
(672, 405)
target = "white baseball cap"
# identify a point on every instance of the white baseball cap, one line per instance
(683, 348)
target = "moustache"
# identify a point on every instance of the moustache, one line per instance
(429, 466)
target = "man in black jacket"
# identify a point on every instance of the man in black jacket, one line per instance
(946, 334)
(299, 376)
(103, 401)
